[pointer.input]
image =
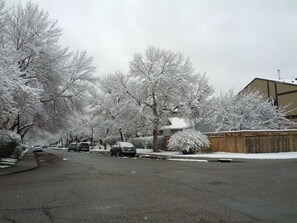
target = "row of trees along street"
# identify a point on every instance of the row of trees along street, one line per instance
(42, 83)
(54, 93)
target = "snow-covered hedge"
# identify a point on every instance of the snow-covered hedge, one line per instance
(8, 143)
(111, 140)
(147, 142)
(188, 141)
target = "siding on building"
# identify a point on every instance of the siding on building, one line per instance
(283, 92)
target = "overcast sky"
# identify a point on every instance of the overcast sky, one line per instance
(232, 41)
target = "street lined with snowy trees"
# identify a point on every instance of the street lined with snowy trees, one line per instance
(50, 94)
(73, 187)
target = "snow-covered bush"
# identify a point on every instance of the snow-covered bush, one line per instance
(147, 142)
(111, 140)
(8, 143)
(188, 141)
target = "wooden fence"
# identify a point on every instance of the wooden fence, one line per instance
(253, 141)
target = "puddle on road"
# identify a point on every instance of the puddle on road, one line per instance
(260, 210)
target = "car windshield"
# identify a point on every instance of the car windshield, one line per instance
(126, 144)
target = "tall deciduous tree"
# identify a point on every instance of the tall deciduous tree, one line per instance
(246, 111)
(164, 82)
(115, 107)
(42, 82)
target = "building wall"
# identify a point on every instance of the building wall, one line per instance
(284, 94)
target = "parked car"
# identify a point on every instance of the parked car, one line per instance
(83, 146)
(37, 148)
(72, 146)
(123, 148)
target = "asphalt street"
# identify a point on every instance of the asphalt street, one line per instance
(84, 187)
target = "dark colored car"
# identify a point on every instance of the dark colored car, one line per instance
(83, 146)
(123, 148)
(72, 146)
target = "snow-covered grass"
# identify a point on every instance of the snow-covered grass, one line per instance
(57, 148)
(7, 162)
(222, 155)
(189, 160)
(4, 166)
(100, 149)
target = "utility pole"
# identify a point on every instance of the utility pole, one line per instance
(278, 71)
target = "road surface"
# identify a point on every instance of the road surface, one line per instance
(83, 187)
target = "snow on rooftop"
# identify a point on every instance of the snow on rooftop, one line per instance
(285, 81)
(177, 123)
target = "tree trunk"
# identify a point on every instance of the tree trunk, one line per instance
(121, 134)
(155, 139)
(92, 137)
(156, 122)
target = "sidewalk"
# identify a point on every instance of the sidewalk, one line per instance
(217, 156)
(166, 155)
(208, 157)
(27, 162)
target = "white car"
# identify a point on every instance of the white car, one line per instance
(37, 148)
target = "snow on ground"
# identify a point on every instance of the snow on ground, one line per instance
(191, 160)
(101, 149)
(223, 155)
(7, 162)
(195, 157)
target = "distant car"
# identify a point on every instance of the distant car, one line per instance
(72, 146)
(123, 148)
(37, 148)
(83, 146)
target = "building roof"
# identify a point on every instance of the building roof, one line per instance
(177, 123)
(282, 81)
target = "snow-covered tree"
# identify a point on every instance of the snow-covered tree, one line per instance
(246, 111)
(188, 141)
(116, 109)
(163, 82)
(159, 83)
(41, 82)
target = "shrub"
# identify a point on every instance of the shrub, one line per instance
(111, 140)
(188, 141)
(147, 142)
(17, 152)
(8, 143)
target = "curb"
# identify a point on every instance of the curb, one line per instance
(26, 163)
(168, 157)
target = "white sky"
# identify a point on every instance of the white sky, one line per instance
(233, 41)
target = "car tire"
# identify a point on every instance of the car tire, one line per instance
(133, 155)
(111, 153)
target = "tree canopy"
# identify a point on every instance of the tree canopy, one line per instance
(246, 111)
(41, 82)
